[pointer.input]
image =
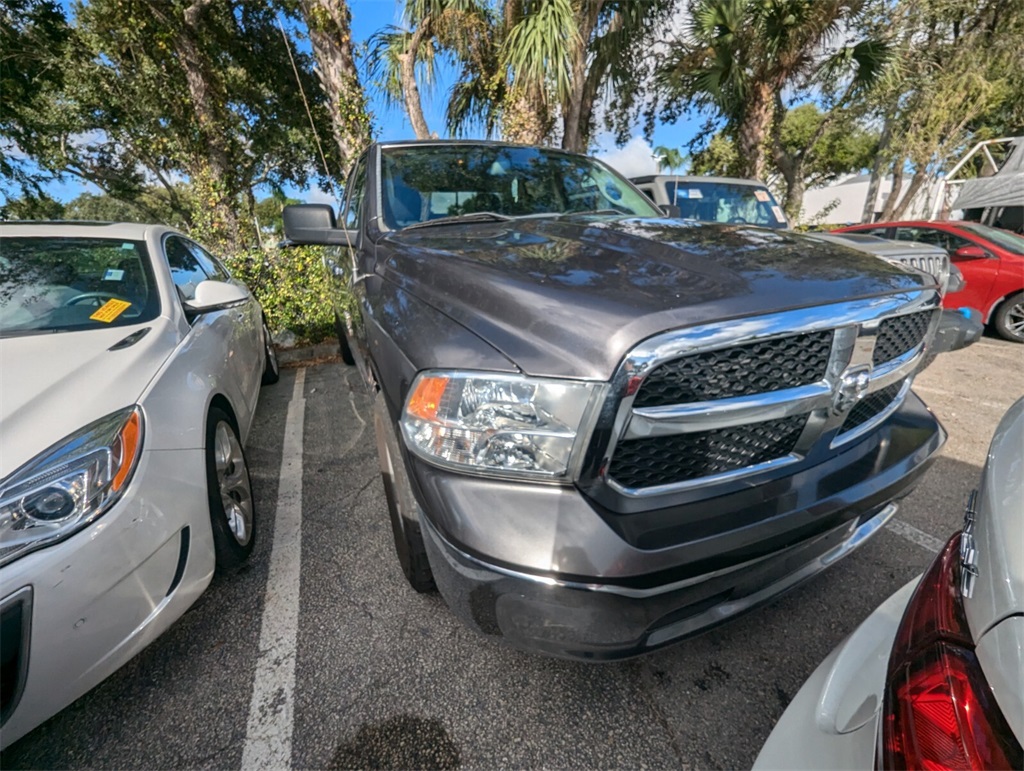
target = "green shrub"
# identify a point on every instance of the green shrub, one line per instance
(293, 288)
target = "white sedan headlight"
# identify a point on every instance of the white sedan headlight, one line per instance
(68, 486)
(507, 425)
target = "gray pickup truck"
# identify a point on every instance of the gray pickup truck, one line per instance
(601, 430)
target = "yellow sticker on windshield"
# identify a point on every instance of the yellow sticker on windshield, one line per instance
(110, 310)
(761, 195)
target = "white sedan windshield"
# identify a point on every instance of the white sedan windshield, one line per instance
(52, 284)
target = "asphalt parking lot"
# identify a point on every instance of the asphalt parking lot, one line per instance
(318, 655)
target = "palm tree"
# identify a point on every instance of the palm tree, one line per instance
(669, 158)
(739, 56)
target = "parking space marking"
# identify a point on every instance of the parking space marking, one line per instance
(268, 737)
(912, 534)
(951, 395)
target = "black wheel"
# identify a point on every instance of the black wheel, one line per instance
(229, 490)
(402, 504)
(271, 370)
(339, 329)
(1008, 319)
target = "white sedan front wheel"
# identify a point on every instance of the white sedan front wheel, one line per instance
(229, 490)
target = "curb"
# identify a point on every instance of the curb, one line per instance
(306, 353)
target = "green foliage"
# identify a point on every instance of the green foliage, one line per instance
(32, 206)
(669, 158)
(718, 159)
(845, 147)
(293, 288)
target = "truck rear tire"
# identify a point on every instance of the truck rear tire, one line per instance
(403, 508)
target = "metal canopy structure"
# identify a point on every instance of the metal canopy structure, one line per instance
(1004, 184)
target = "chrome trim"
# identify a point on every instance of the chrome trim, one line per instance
(856, 536)
(689, 484)
(724, 413)
(855, 325)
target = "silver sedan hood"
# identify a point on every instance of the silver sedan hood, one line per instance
(54, 384)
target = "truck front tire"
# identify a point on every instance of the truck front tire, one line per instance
(402, 505)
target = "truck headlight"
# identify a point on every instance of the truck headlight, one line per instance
(507, 425)
(63, 489)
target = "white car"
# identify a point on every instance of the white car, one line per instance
(934, 678)
(130, 366)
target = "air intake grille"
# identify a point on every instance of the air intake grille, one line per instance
(900, 334)
(666, 460)
(870, 406)
(767, 365)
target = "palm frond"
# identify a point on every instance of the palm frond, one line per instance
(538, 47)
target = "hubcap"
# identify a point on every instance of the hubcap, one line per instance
(1015, 319)
(233, 482)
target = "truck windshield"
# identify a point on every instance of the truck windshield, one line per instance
(726, 202)
(420, 183)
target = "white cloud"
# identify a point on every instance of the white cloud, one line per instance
(634, 159)
(318, 195)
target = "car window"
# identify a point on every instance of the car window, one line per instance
(1004, 238)
(57, 284)
(713, 201)
(648, 191)
(879, 232)
(932, 236)
(186, 272)
(357, 191)
(210, 264)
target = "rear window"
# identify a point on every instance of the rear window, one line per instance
(50, 284)
(726, 202)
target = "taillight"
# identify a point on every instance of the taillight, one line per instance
(939, 711)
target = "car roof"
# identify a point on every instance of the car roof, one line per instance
(697, 178)
(467, 143)
(129, 231)
(907, 223)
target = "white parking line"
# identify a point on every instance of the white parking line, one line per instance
(912, 534)
(951, 395)
(268, 738)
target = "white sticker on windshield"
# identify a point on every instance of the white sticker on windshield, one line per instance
(761, 195)
(113, 275)
(695, 193)
(778, 214)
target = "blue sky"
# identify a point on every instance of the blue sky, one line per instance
(368, 16)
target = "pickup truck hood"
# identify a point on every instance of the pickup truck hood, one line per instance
(51, 385)
(570, 296)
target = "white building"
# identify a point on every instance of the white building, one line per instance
(842, 202)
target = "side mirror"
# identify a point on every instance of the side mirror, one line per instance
(314, 224)
(969, 253)
(671, 210)
(216, 295)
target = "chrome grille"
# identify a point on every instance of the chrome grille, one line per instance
(760, 367)
(666, 460)
(718, 401)
(872, 405)
(899, 335)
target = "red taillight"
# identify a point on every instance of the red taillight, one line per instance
(939, 712)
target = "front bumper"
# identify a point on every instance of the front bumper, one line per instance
(79, 609)
(958, 329)
(540, 567)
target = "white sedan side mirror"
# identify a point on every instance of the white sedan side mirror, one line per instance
(215, 295)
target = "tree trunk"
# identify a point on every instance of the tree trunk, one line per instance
(868, 215)
(916, 183)
(894, 194)
(579, 107)
(330, 35)
(207, 96)
(410, 89)
(751, 133)
(524, 117)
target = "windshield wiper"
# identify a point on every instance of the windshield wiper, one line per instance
(455, 219)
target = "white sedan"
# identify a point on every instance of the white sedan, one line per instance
(934, 678)
(130, 366)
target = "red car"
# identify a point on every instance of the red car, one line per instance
(991, 260)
